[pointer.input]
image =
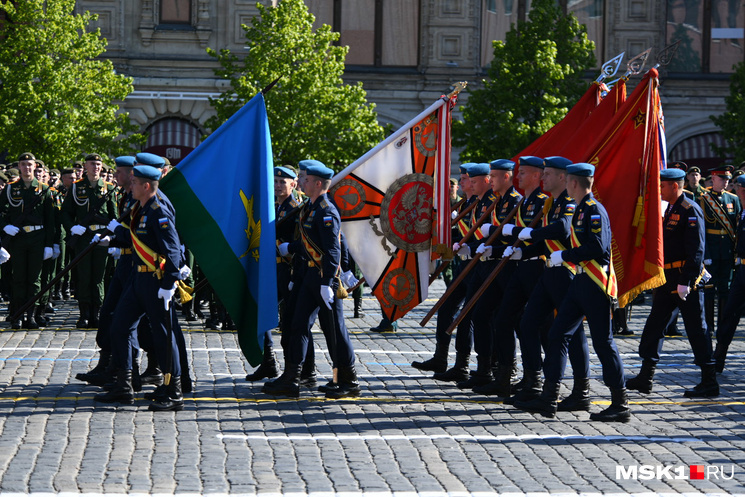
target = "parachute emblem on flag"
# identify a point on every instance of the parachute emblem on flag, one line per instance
(425, 139)
(406, 212)
(399, 287)
(350, 197)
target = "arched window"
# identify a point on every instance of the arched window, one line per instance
(172, 138)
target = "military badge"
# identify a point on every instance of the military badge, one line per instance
(163, 222)
(406, 212)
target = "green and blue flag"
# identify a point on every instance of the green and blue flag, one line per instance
(224, 198)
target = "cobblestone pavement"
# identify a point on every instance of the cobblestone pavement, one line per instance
(407, 433)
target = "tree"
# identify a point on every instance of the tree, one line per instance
(56, 97)
(533, 81)
(312, 113)
(732, 122)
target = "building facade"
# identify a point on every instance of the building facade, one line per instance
(408, 52)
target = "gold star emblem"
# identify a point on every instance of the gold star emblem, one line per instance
(639, 118)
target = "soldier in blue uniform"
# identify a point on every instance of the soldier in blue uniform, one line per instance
(498, 181)
(445, 315)
(320, 233)
(683, 240)
(157, 260)
(721, 211)
(590, 295)
(736, 300)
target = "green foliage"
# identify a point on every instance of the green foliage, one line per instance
(312, 113)
(732, 122)
(56, 97)
(533, 81)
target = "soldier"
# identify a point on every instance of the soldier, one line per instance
(86, 211)
(589, 295)
(320, 229)
(152, 288)
(721, 211)
(736, 301)
(683, 241)
(27, 217)
(62, 291)
(693, 183)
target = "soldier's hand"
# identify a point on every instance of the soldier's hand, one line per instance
(508, 251)
(456, 247)
(348, 278)
(4, 255)
(707, 262)
(464, 252)
(556, 258)
(484, 251)
(327, 295)
(11, 230)
(101, 240)
(167, 294)
(184, 272)
(48, 252)
(525, 234)
(517, 254)
(683, 291)
(485, 229)
(115, 252)
(507, 229)
(453, 214)
(57, 251)
(113, 225)
(283, 250)
(78, 230)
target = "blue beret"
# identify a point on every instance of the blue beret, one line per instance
(318, 170)
(581, 169)
(557, 162)
(304, 164)
(533, 161)
(502, 165)
(478, 169)
(465, 167)
(284, 172)
(147, 159)
(147, 172)
(125, 161)
(740, 180)
(672, 174)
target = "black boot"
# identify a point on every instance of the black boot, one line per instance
(618, 410)
(287, 385)
(709, 387)
(268, 367)
(385, 326)
(213, 322)
(136, 380)
(99, 375)
(49, 308)
(83, 320)
(500, 385)
(438, 363)
(30, 322)
(531, 389)
(720, 355)
(459, 371)
(579, 399)
(93, 318)
(175, 399)
(188, 311)
(332, 384)
(481, 376)
(39, 316)
(620, 322)
(152, 374)
(643, 381)
(347, 385)
(122, 391)
(308, 377)
(358, 308)
(709, 312)
(544, 404)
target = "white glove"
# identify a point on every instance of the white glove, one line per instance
(78, 230)
(48, 252)
(485, 229)
(290, 285)
(103, 241)
(525, 234)
(57, 251)
(283, 249)
(464, 252)
(113, 225)
(348, 278)
(183, 250)
(11, 230)
(115, 252)
(556, 258)
(507, 229)
(707, 262)
(327, 294)
(456, 247)
(517, 254)
(508, 251)
(683, 291)
(167, 295)
(453, 214)
(184, 272)
(4, 255)
(484, 251)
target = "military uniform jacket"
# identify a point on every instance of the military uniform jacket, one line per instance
(286, 231)
(28, 206)
(740, 241)
(155, 226)
(720, 210)
(483, 204)
(122, 237)
(321, 223)
(505, 205)
(530, 208)
(556, 226)
(461, 227)
(683, 241)
(83, 199)
(592, 229)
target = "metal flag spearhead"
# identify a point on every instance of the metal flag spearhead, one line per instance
(457, 88)
(636, 64)
(610, 68)
(666, 54)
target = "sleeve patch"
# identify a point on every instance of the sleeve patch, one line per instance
(595, 219)
(692, 221)
(328, 220)
(163, 222)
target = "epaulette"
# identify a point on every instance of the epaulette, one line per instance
(78, 181)
(324, 204)
(568, 199)
(155, 205)
(591, 202)
(293, 202)
(515, 194)
(686, 203)
(687, 191)
(492, 197)
(542, 195)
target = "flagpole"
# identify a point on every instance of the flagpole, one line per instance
(393, 137)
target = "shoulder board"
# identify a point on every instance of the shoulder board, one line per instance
(569, 199)
(514, 194)
(542, 195)
(686, 203)
(78, 181)
(492, 197)
(687, 191)
(293, 202)
(591, 202)
(155, 205)
(323, 204)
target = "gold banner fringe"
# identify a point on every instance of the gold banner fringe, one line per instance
(655, 281)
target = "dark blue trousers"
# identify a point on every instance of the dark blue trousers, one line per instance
(118, 283)
(486, 307)
(446, 315)
(732, 312)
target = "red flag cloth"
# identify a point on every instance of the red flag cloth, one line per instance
(627, 156)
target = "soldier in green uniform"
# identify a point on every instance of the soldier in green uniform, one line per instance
(27, 217)
(86, 211)
(721, 211)
(62, 290)
(693, 183)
